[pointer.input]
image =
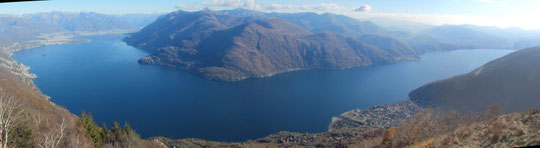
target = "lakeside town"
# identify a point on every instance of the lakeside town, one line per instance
(381, 116)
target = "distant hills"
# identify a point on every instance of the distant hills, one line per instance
(82, 21)
(30, 26)
(140, 20)
(399, 24)
(449, 37)
(512, 82)
(15, 28)
(460, 37)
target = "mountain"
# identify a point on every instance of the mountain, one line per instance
(399, 25)
(461, 37)
(140, 20)
(182, 28)
(241, 12)
(512, 33)
(391, 45)
(472, 36)
(233, 47)
(341, 24)
(317, 22)
(527, 42)
(426, 43)
(35, 26)
(512, 81)
(332, 22)
(16, 28)
(82, 21)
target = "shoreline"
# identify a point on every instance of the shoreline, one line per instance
(57, 38)
(22, 71)
(367, 111)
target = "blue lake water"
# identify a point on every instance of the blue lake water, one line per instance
(104, 78)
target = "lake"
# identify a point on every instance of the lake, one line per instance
(104, 78)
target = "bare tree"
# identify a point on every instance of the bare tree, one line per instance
(75, 141)
(51, 135)
(9, 112)
(36, 119)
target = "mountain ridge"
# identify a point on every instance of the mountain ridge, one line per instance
(511, 81)
(81, 21)
(234, 47)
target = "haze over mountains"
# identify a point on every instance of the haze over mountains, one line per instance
(141, 19)
(512, 81)
(32, 26)
(465, 38)
(15, 28)
(83, 21)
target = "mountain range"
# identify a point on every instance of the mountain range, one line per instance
(460, 37)
(82, 21)
(32, 26)
(139, 19)
(238, 44)
(15, 28)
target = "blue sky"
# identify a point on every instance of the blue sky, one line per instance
(503, 13)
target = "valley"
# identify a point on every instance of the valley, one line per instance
(299, 101)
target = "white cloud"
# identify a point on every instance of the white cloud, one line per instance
(187, 7)
(251, 4)
(363, 8)
(254, 5)
(273, 7)
(223, 3)
(319, 8)
(247, 4)
(323, 7)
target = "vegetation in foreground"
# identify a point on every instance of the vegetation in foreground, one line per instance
(109, 138)
(429, 128)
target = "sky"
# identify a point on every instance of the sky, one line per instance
(501, 13)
